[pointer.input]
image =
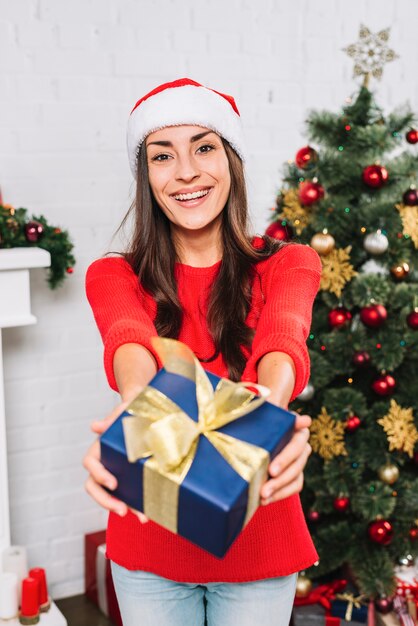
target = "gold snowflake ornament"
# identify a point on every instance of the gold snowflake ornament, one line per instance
(327, 436)
(399, 426)
(370, 53)
(409, 217)
(293, 211)
(336, 270)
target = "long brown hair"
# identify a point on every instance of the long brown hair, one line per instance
(152, 255)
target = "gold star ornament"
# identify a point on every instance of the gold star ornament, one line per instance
(292, 210)
(327, 436)
(370, 53)
(400, 429)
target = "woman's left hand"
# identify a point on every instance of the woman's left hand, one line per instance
(286, 469)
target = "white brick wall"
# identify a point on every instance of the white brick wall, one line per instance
(69, 73)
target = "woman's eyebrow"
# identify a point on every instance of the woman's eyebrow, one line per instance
(192, 139)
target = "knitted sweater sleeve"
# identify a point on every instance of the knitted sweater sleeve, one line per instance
(119, 309)
(289, 282)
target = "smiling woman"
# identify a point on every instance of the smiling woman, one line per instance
(192, 271)
(190, 181)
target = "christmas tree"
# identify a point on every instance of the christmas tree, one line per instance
(351, 195)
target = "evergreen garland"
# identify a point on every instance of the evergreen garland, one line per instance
(18, 230)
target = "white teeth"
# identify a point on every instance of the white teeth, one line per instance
(192, 196)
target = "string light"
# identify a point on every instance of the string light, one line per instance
(378, 346)
(340, 148)
(402, 343)
(301, 179)
(283, 223)
(349, 380)
(347, 209)
(347, 127)
(311, 336)
(363, 229)
(372, 488)
(323, 348)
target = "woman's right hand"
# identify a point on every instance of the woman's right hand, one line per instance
(99, 476)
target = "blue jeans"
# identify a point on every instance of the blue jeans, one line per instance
(146, 599)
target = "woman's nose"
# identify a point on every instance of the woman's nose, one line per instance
(186, 169)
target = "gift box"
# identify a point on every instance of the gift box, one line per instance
(98, 576)
(192, 450)
(350, 608)
(314, 615)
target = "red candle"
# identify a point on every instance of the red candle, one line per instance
(39, 574)
(29, 611)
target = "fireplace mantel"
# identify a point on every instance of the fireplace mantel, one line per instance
(15, 264)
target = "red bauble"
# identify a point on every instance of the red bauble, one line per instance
(33, 231)
(410, 197)
(338, 317)
(361, 358)
(373, 316)
(381, 531)
(412, 320)
(341, 503)
(306, 157)
(310, 192)
(375, 176)
(69, 270)
(384, 385)
(280, 232)
(352, 423)
(412, 136)
(313, 516)
(413, 534)
(384, 605)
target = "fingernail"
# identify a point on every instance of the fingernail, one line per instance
(267, 493)
(275, 470)
(121, 512)
(111, 485)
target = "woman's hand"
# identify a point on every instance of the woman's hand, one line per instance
(286, 469)
(99, 476)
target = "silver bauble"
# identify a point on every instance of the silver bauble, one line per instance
(376, 243)
(307, 393)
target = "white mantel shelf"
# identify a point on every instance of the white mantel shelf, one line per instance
(15, 264)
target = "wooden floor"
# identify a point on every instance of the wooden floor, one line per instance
(80, 611)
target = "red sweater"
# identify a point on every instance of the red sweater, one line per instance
(276, 541)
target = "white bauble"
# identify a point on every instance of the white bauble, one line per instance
(307, 393)
(376, 243)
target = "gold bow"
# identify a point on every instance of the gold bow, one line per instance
(352, 601)
(159, 429)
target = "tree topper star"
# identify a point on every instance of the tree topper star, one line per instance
(370, 53)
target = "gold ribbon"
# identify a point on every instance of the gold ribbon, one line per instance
(352, 601)
(159, 429)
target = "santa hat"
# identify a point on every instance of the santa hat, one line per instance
(184, 101)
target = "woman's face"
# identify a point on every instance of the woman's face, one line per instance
(189, 175)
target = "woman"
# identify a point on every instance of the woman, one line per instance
(243, 306)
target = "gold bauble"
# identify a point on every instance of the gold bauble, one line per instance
(400, 270)
(303, 587)
(388, 473)
(323, 242)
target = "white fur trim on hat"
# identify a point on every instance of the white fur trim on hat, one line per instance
(185, 104)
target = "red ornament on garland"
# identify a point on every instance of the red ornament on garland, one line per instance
(310, 192)
(306, 157)
(375, 176)
(338, 317)
(69, 270)
(381, 532)
(33, 231)
(412, 136)
(410, 197)
(412, 319)
(352, 423)
(374, 315)
(341, 503)
(280, 232)
(384, 385)
(361, 358)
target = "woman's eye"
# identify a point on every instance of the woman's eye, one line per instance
(160, 157)
(207, 148)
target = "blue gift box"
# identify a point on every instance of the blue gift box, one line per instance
(212, 500)
(358, 614)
